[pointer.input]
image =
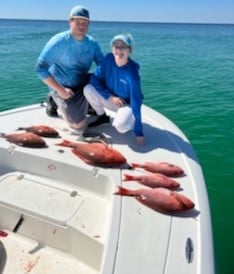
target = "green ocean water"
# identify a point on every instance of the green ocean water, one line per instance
(187, 74)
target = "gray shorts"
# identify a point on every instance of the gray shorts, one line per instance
(75, 108)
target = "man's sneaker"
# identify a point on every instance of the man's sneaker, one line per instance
(51, 108)
(103, 119)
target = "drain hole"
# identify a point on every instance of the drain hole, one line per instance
(189, 251)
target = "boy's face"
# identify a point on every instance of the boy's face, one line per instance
(121, 51)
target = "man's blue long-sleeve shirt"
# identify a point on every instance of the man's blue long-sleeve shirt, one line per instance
(124, 82)
(66, 59)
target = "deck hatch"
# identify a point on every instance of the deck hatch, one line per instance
(39, 197)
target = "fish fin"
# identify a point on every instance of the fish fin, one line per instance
(141, 197)
(65, 143)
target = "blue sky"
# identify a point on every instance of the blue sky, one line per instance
(196, 11)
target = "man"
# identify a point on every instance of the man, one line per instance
(63, 65)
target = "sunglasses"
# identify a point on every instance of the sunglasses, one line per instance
(120, 47)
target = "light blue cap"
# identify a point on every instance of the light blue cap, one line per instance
(126, 38)
(79, 12)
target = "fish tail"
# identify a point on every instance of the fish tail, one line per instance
(2, 134)
(65, 143)
(124, 191)
(134, 165)
(128, 177)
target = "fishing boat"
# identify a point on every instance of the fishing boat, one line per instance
(58, 213)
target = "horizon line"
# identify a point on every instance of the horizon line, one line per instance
(116, 21)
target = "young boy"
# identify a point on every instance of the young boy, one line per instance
(115, 85)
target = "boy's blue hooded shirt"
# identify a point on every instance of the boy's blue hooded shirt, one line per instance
(124, 82)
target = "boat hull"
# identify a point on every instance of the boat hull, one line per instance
(60, 214)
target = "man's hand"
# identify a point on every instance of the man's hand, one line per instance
(66, 93)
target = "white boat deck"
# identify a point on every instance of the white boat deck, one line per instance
(61, 216)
